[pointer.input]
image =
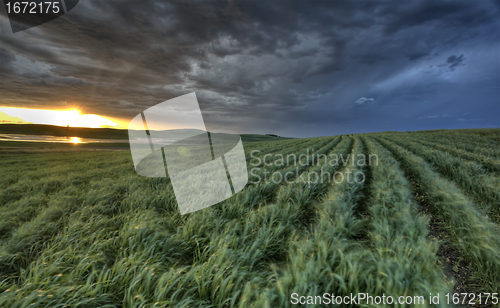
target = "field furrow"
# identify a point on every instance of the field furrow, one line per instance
(405, 257)
(268, 147)
(292, 159)
(489, 163)
(475, 182)
(469, 142)
(256, 237)
(326, 257)
(473, 234)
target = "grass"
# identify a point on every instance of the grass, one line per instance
(473, 234)
(471, 176)
(82, 229)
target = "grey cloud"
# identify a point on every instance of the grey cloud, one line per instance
(250, 62)
(6, 58)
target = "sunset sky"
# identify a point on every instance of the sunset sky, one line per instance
(55, 117)
(292, 68)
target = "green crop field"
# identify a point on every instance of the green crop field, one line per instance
(419, 214)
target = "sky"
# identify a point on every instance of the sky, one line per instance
(292, 68)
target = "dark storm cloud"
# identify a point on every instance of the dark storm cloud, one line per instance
(6, 58)
(290, 67)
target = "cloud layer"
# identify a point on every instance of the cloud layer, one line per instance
(289, 68)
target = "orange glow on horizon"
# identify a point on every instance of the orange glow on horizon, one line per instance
(71, 118)
(75, 140)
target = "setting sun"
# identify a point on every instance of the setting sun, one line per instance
(75, 140)
(71, 118)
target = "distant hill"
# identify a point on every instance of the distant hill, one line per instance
(95, 133)
(255, 137)
(52, 130)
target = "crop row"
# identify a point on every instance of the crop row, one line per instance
(474, 235)
(479, 184)
(472, 143)
(489, 163)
